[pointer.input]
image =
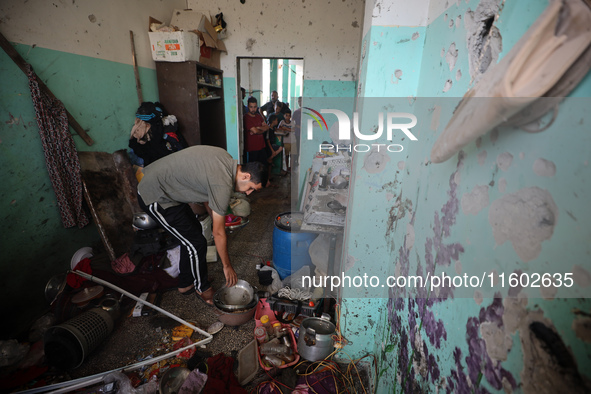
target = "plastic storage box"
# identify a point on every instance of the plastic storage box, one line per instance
(263, 308)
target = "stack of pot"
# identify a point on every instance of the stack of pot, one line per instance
(235, 305)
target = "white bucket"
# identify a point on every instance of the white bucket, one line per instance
(207, 228)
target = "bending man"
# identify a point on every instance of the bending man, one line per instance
(203, 174)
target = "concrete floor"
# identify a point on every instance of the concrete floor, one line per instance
(137, 338)
(134, 339)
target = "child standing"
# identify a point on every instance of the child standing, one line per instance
(274, 143)
(286, 126)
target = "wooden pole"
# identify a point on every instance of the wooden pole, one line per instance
(138, 86)
(22, 64)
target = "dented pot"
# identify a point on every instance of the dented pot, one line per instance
(315, 341)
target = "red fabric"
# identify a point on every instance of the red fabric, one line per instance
(123, 264)
(75, 280)
(253, 142)
(61, 157)
(220, 376)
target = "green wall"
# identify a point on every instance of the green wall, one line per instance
(101, 95)
(409, 216)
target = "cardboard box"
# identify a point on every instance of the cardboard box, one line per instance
(196, 40)
(178, 46)
(195, 21)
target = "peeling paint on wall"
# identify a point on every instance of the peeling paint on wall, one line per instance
(548, 365)
(548, 292)
(498, 342)
(448, 85)
(476, 200)
(526, 219)
(581, 276)
(478, 297)
(482, 157)
(582, 328)
(375, 161)
(482, 37)
(543, 167)
(504, 160)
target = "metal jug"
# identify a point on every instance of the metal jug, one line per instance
(315, 341)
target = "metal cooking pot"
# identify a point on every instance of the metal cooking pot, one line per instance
(239, 317)
(315, 341)
(238, 297)
(144, 221)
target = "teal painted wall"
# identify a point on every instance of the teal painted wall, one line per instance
(408, 216)
(101, 95)
(230, 106)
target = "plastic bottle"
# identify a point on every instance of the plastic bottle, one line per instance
(288, 358)
(277, 330)
(274, 360)
(267, 324)
(323, 176)
(274, 348)
(285, 337)
(261, 334)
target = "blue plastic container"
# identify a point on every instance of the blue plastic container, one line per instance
(290, 245)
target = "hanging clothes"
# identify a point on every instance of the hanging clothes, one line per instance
(61, 157)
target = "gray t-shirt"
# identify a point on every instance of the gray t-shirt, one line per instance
(199, 173)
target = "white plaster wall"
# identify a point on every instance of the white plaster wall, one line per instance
(326, 34)
(251, 71)
(404, 12)
(98, 29)
(396, 13)
(438, 7)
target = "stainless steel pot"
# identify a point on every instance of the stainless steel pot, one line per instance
(144, 221)
(315, 341)
(238, 297)
(239, 317)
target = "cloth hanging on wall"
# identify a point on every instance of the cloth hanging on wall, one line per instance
(61, 157)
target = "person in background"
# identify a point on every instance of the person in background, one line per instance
(286, 126)
(245, 109)
(269, 107)
(198, 174)
(274, 144)
(254, 130)
(278, 113)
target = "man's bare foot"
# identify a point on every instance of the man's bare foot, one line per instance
(186, 290)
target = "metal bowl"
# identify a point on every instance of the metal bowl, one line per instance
(173, 379)
(239, 317)
(55, 287)
(238, 297)
(144, 221)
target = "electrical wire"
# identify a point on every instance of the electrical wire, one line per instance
(344, 377)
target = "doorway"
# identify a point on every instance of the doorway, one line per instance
(260, 77)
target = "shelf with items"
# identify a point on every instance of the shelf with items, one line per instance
(209, 85)
(194, 92)
(208, 77)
